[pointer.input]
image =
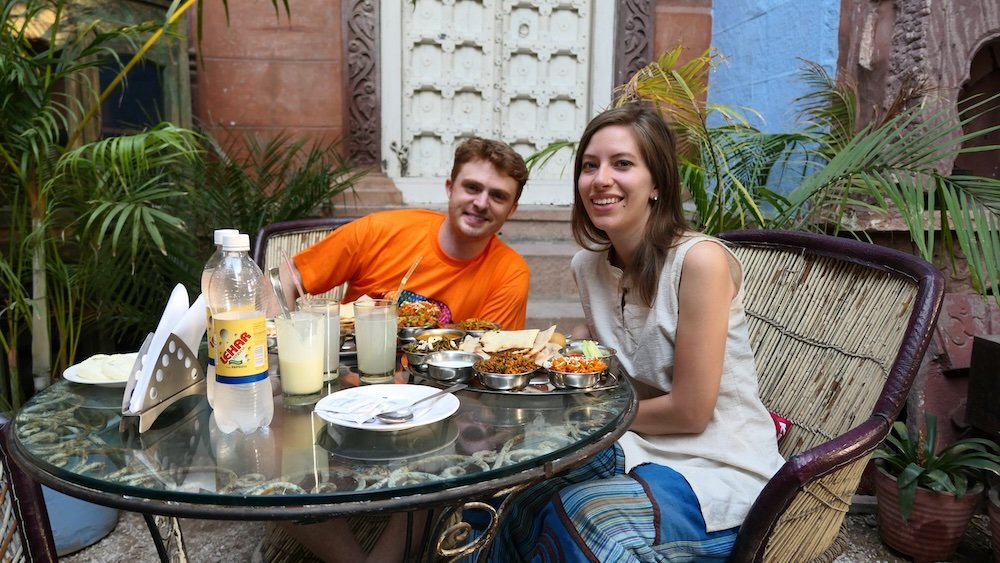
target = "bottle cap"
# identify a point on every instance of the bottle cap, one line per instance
(231, 243)
(221, 233)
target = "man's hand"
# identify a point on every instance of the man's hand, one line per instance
(289, 281)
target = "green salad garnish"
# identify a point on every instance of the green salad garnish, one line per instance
(590, 349)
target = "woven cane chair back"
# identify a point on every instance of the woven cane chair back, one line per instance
(276, 241)
(838, 329)
(25, 533)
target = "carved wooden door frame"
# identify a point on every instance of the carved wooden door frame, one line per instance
(633, 49)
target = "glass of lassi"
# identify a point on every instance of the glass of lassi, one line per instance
(301, 355)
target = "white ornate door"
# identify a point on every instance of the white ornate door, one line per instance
(512, 70)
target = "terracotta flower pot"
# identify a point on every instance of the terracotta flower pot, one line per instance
(993, 508)
(936, 525)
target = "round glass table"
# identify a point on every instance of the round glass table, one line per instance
(73, 438)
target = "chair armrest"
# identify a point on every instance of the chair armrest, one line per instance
(793, 477)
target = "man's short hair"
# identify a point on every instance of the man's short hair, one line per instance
(499, 154)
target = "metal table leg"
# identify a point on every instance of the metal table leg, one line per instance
(176, 538)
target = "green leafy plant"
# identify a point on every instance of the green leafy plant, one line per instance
(92, 230)
(69, 202)
(830, 171)
(248, 182)
(913, 461)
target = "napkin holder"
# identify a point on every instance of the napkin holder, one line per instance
(176, 375)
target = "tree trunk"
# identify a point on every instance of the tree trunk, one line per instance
(41, 349)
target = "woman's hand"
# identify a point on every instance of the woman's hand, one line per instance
(707, 288)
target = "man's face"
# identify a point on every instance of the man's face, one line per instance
(480, 199)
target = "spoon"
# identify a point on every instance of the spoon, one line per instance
(294, 273)
(279, 293)
(405, 414)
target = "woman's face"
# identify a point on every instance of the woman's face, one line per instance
(615, 184)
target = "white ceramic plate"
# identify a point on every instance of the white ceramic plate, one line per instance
(109, 370)
(394, 396)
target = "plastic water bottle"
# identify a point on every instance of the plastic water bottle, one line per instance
(206, 276)
(243, 454)
(236, 292)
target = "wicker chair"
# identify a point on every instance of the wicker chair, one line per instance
(839, 328)
(26, 534)
(285, 238)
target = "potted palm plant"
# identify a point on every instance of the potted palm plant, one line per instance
(927, 497)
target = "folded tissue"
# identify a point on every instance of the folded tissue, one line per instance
(181, 318)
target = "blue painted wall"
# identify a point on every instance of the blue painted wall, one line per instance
(762, 42)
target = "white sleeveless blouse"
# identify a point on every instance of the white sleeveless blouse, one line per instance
(728, 464)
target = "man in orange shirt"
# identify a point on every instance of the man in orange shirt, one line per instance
(463, 264)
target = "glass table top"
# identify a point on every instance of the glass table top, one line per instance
(70, 433)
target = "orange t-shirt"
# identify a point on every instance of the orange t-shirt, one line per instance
(374, 252)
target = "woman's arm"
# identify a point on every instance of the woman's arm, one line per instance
(706, 290)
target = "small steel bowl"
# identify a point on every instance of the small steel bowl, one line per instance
(574, 349)
(578, 380)
(449, 333)
(566, 380)
(505, 381)
(417, 360)
(609, 355)
(409, 333)
(451, 365)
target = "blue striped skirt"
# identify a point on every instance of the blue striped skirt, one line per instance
(596, 512)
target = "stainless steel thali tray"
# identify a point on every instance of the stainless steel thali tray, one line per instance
(539, 386)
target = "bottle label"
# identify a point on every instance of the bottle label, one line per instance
(241, 348)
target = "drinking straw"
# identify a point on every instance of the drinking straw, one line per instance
(406, 278)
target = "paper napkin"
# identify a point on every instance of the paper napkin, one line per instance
(350, 409)
(191, 327)
(177, 306)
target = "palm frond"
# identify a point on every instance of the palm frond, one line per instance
(250, 182)
(540, 158)
(121, 182)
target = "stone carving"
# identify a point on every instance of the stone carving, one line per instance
(511, 70)
(363, 124)
(634, 38)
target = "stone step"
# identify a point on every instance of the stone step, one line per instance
(549, 263)
(538, 223)
(564, 313)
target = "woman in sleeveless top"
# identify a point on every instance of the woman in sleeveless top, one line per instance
(679, 483)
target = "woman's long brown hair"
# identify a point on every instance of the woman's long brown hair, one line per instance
(666, 222)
